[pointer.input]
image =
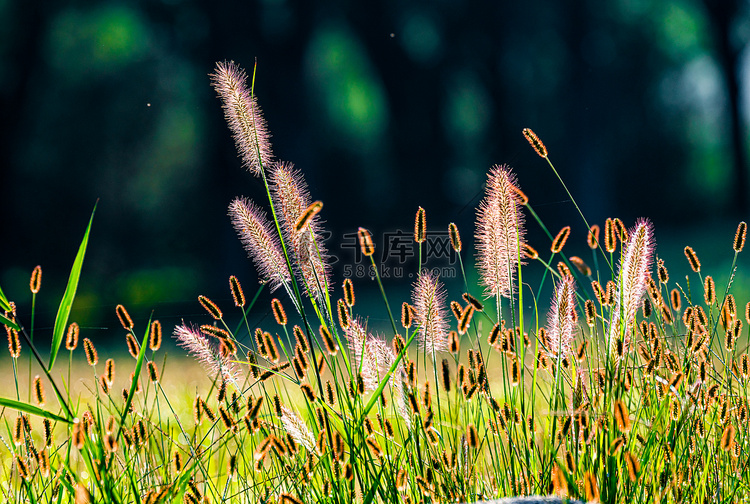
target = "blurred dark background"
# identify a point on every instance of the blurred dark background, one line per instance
(384, 106)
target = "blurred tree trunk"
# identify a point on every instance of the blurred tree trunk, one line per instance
(722, 14)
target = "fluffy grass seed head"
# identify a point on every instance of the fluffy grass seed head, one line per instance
(428, 299)
(292, 198)
(562, 318)
(191, 339)
(633, 275)
(261, 243)
(243, 115)
(499, 233)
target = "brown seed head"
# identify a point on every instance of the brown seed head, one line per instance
(91, 355)
(590, 309)
(154, 340)
(622, 232)
(36, 280)
(125, 320)
(709, 290)
(237, 294)
(301, 339)
(675, 299)
(271, 349)
(535, 142)
(348, 292)
(610, 236)
(331, 347)
(593, 237)
(365, 242)
(153, 372)
(455, 237)
(420, 226)
(343, 313)
(71, 337)
(590, 487)
(210, 307)
(529, 252)
(584, 268)
(306, 216)
(39, 390)
(559, 242)
(278, 312)
(662, 271)
(739, 237)
(133, 346)
(109, 371)
(692, 258)
(14, 342)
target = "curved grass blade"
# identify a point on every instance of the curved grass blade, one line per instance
(31, 409)
(4, 303)
(66, 303)
(5, 320)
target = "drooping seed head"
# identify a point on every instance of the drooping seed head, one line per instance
(244, 117)
(36, 280)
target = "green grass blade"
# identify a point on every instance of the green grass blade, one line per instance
(136, 375)
(31, 409)
(66, 304)
(4, 303)
(5, 320)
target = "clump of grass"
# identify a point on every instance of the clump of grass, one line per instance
(633, 388)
